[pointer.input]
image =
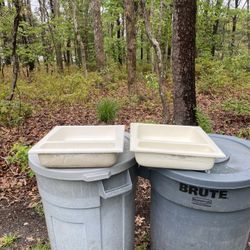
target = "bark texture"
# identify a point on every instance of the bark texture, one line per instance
(98, 34)
(183, 61)
(131, 44)
(17, 18)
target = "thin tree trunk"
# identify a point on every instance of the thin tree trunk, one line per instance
(17, 5)
(248, 26)
(131, 45)
(79, 39)
(159, 63)
(234, 25)
(118, 36)
(224, 31)
(98, 34)
(68, 53)
(183, 61)
(55, 10)
(142, 41)
(46, 50)
(216, 26)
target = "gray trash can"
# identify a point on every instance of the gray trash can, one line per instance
(89, 209)
(203, 211)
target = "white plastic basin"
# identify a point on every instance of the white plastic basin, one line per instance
(173, 146)
(80, 146)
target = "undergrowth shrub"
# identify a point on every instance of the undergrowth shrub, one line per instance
(19, 155)
(107, 110)
(237, 107)
(214, 74)
(204, 121)
(151, 81)
(61, 89)
(211, 75)
(244, 133)
(13, 113)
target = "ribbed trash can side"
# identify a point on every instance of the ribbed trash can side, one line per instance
(203, 211)
(89, 209)
(77, 217)
(176, 226)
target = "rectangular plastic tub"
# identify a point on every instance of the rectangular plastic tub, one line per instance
(173, 146)
(80, 146)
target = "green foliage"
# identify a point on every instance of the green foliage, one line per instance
(212, 75)
(238, 107)
(237, 65)
(13, 113)
(61, 89)
(145, 68)
(19, 155)
(7, 240)
(244, 133)
(107, 110)
(143, 247)
(113, 73)
(151, 81)
(204, 121)
(38, 207)
(41, 246)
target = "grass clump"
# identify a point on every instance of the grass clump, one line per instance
(244, 133)
(41, 246)
(7, 240)
(13, 113)
(19, 155)
(38, 207)
(204, 121)
(107, 110)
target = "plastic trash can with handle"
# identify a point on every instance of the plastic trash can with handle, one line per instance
(89, 208)
(203, 210)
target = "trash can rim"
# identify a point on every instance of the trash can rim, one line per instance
(236, 180)
(85, 174)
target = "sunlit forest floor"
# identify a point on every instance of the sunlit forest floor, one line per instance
(44, 100)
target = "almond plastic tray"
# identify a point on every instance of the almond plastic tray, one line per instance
(80, 146)
(173, 146)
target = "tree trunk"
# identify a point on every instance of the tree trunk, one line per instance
(118, 36)
(159, 64)
(142, 42)
(98, 34)
(46, 50)
(68, 52)
(216, 26)
(17, 5)
(224, 30)
(234, 24)
(131, 44)
(183, 61)
(79, 39)
(248, 26)
(55, 10)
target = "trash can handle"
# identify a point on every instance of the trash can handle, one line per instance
(117, 190)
